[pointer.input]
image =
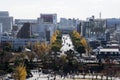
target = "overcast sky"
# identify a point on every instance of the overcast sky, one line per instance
(63, 8)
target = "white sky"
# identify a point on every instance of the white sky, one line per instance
(64, 8)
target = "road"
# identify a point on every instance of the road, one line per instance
(66, 43)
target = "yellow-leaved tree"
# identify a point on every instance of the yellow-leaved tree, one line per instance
(85, 44)
(36, 45)
(41, 48)
(44, 47)
(57, 32)
(83, 41)
(76, 34)
(20, 72)
(54, 36)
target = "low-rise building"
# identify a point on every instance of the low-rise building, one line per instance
(68, 25)
(111, 53)
(18, 43)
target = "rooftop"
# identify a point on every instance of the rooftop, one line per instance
(108, 50)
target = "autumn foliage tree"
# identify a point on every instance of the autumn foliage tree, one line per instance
(20, 72)
(56, 41)
(41, 48)
(55, 46)
(76, 34)
(79, 42)
(54, 36)
(85, 44)
(53, 39)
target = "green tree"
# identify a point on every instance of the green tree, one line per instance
(7, 46)
(81, 49)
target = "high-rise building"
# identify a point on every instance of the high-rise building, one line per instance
(49, 18)
(81, 28)
(4, 13)
(68, 25)
(20, 22)
(6, 21)
(33, 25)
(95, 28)
(24, 32)
(46, 25)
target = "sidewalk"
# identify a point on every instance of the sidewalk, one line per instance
(40, 76)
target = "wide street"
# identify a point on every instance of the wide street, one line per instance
(66, 43)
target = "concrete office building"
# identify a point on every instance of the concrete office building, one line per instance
(17, 43)
(24, 32)
(4, 13)
(46, 25)
(6, 21)
(20, 22)
(32, 27)
(68, 25)
(48, 18)
(81, 28)
(42, 28)
(95, 28)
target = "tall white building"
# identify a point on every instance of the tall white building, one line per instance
(6, 21)
(45, 27)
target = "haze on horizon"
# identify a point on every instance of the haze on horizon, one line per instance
(28, 9)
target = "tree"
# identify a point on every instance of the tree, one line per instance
(29, 45)
(85, 44)
(7, 46)
(80, 42)
(55, 35)
(72, 62)
(77, 43)
(57, 32)
(81, 49)
(41, 48)
(53, 38)
(56, 47)
(83, 41)
(20, 72)
(62, 60)
(56, 41)
(76, 34)
(2, 55)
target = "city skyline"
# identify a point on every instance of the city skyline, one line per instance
(63, 8)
